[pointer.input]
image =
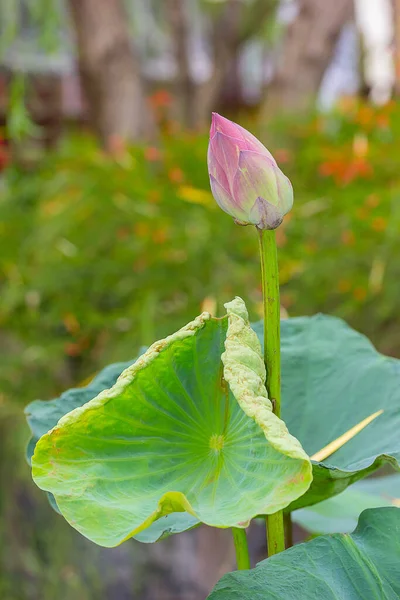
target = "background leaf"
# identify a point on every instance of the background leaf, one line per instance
(333, 378)
(44, 415)
(340, 513)
(360, 566)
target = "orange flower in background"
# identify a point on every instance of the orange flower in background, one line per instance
(176, 175)
(365, 115)
(152, 154)
(344, 170)
(327, 168)
(372, 201)
(383, 121)
(117, 146)
(379, 224)
(160, 236)
(160, 99)
(283, 155)
(348, 238)
(72, 349)
(76, 348)
(359, 293)
(358, 168)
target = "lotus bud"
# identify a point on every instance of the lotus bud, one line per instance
(245, 180)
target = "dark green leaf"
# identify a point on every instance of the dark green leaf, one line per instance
(332, 379)
(340, 513)
(360, 566)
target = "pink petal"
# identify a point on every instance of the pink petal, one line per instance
(252, 143)
(224, 199)
(249, 141)
(225, 150)
(222, 125)
(255, 178)
(215, 169)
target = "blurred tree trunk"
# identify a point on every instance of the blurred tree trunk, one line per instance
(307, 52)
(224, 42)
(177, 11)
(396, 21)
(109, 71)
(235, 24)
(45, 106)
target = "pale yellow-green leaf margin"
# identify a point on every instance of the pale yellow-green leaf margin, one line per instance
(244, 370)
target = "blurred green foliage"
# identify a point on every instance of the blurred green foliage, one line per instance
(346, 224)
(100, 254)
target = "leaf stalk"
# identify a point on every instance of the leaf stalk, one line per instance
(272, 358)
(241, 548)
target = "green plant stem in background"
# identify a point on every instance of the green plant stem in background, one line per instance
(287, 521)
(272, 357)
(241, 548)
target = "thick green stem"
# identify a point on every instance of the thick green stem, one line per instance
(241, 547)
(272, 357)
(270, 289)
(287, 520)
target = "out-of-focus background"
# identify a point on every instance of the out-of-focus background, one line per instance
(110, 239)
